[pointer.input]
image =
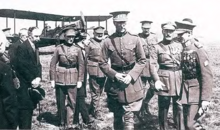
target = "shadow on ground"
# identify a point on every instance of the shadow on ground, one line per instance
(48, 117)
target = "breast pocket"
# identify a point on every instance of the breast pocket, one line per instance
(62, 58)
(60, 75)
(164, 78)
(96, 51)
(72, 78)
(129, 51)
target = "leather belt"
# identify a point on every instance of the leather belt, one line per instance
(123, 68)
(94, 60)
(162, 67)
(68, 66)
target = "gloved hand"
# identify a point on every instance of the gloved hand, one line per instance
(52, 82)
(127, 79)
(120, 77)
(79, 84)
(36, 82)
(204, 107)
(159, 85)
(16, 83)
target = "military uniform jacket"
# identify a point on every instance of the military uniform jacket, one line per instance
(198, 78)
(93, 52)
(70, 67)
(130, 47)
(148, 42)
(168, 58)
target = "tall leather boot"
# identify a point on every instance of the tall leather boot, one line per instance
(128, 120)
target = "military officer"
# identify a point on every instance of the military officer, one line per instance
(167, 54)
(149, 39)
(67, 76)
(197, 76)
(123, 86)
(96, 76)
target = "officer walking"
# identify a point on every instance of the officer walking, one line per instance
(197, 76)
(67, 76)
(149, 39)
(123, 86)
(167, 54)
(96, 76)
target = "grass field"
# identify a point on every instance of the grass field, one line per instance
(211, 120)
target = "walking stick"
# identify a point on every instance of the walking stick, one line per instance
(39, 113)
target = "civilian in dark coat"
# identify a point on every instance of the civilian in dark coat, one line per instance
(8, 98)
(29, 72)
(13, 47)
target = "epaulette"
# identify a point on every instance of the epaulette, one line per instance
(196, 39)
(196, 43)
(133, 34)
(152, 33)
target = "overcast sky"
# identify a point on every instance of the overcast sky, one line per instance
(204, 13)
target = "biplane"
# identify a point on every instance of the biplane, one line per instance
(50, 38)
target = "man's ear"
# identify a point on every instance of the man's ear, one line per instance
(114, 22)
(162, 31)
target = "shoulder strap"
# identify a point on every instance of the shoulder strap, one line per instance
(113, 43)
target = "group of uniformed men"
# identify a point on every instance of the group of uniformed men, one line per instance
(175, 68)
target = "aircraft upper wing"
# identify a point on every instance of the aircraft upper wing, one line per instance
(20, 14)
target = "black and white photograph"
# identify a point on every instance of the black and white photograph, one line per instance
(109, 65)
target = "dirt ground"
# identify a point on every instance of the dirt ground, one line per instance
(48, 119)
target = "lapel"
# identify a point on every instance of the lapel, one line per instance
(30, 50)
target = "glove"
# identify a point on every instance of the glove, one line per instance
(79, 84)
(205, 105)
(36, 82)
(38, 79)
(120, 77)
(52, 82)
(159, 85)
(127, 79)
(16, 83)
